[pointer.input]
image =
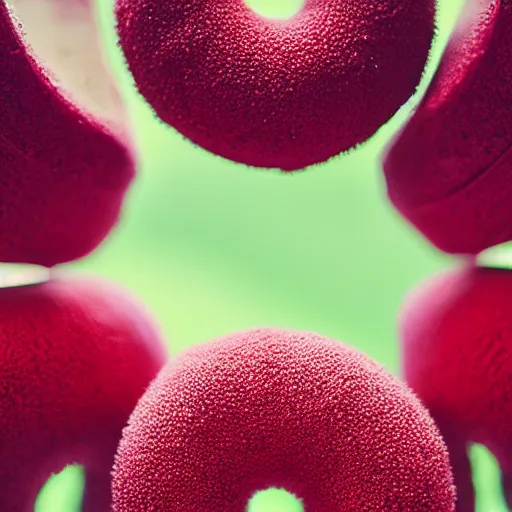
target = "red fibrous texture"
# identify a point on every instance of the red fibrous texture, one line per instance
(286, 409)
(276, 93)
(75, 356)
(63, 170)
(457, 345)
(449, 170)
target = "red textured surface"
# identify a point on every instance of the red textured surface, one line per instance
(280, 408)
(62, 174)
(449, 172)
(457, 349)
(75, 356)
(276, 93)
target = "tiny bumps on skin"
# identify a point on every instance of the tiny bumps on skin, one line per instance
(276, 93)
(276, 408)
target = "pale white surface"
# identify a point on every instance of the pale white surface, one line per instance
(63, 36)
(21, 275)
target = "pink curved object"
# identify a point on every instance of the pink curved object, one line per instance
(274, 408)
(276, 93)
(456, 333)
(75, 356)
(66, 157)
(449, 170)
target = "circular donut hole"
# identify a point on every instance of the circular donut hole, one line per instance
(274, 500)
(285, 9)
(498, 256)
(13, 274)
(62, 492)
(486, 479)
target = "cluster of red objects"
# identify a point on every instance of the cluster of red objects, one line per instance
(75, 353)
(449, 173)
(265, 407)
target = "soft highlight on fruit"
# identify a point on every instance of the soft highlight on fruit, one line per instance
(75, 356)
(448, 171)
(274, 408)
(276, 93)
(456, 333)
(66, 156)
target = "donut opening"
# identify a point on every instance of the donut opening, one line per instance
(63, 37)
(13, 274)
(274, 500)
(498, 256)
(62, 492)
(284, 9)
(487, 479)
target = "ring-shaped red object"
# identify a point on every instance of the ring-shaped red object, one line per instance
(75, 356)
(272, 408)
(456, 333)
(276, 93)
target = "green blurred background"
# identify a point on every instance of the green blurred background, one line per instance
(213, 247)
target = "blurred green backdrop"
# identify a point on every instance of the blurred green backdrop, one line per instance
(213, 247)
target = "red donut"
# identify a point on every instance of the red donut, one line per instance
(448, 172)
(273, 408)
(65, 155)
(276, 93)
(457, 348)
(75, 356)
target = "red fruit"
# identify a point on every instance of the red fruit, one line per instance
(276, 93)
(64, 164)
(75, 356)
(448, 172)
(286, 409)
(457, 349)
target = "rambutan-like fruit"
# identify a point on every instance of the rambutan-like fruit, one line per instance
(274, 408)
(65, 153)
(449, 170)
(75, 356)
(276, 93)
(456, 333)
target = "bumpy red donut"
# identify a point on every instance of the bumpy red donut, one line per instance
(63, 170)
(449, 171)
(75, 356)
(276, 93)
(457, 343)
(279, 408)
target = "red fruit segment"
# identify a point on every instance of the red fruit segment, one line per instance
(75, 356)
(448, 171)
(276, 93)
(457, 348)
(278, 408)
(65, 157)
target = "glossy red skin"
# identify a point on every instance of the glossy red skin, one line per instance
(63, 175)
(449, 171)
(276, 93)
(75, 356)
(456, 333)
(279, 408)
